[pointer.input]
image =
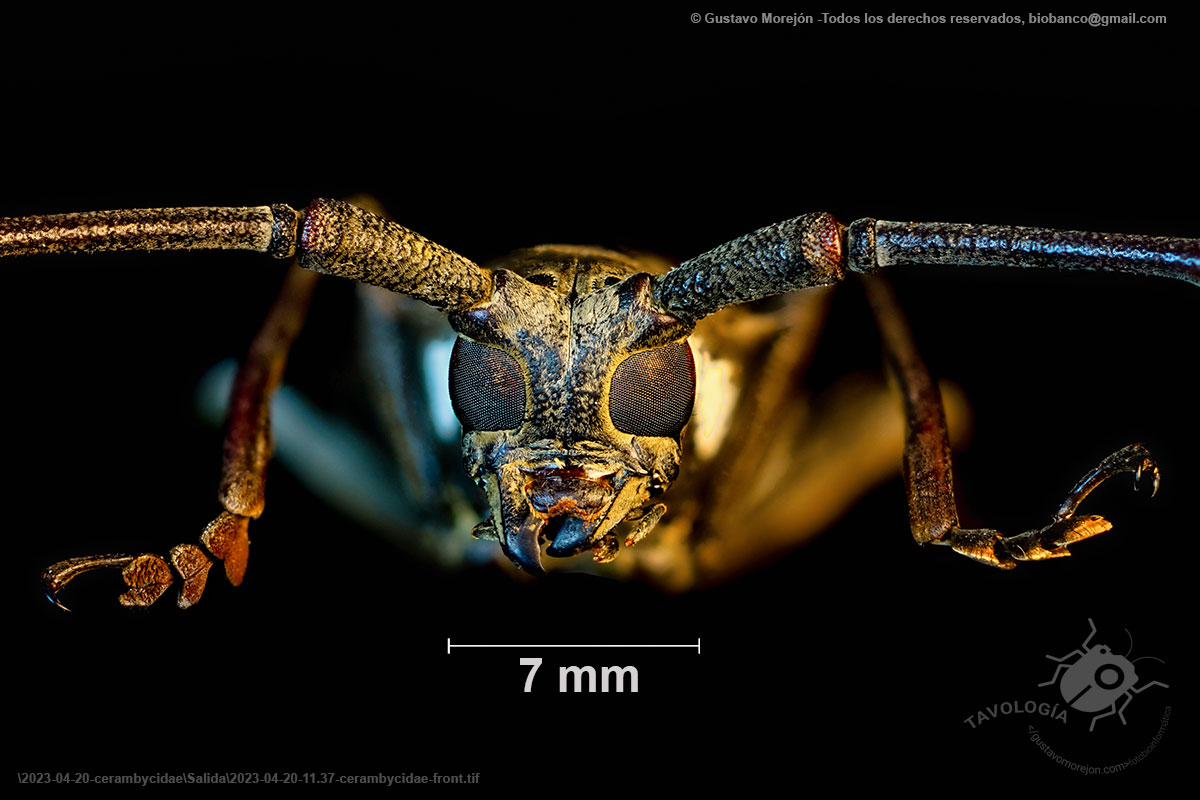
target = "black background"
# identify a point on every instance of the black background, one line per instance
(858, 656)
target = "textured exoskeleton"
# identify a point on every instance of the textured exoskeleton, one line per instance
(572, 374)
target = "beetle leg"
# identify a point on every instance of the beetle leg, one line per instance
(1128, 697)
(1113, 709)
(1083, 647)
(646, 523)
(927, 474)
(1061, 666)
(247, 451)
(765, 396)
(781, 452)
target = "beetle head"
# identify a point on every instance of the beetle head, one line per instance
(572, 388)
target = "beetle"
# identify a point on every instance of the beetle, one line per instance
(1098, 678)
(572, 375)
(1056, 141)
(1053, 373)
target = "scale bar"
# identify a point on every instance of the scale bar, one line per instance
(450, 646)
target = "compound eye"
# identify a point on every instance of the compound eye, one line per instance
(652, 392)
(487, 387)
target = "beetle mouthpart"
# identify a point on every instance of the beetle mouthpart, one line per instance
(564, 506)
(520, 543)
(558, 492)
(573, 508)
(567, 536)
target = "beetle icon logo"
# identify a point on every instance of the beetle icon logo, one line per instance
(1098, 679)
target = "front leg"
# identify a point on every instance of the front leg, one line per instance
(247, 452)
(933, 514)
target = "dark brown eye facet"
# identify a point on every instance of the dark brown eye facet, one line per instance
(652, 392)
(487, 387)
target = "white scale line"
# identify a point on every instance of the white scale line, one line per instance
(449, 646)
